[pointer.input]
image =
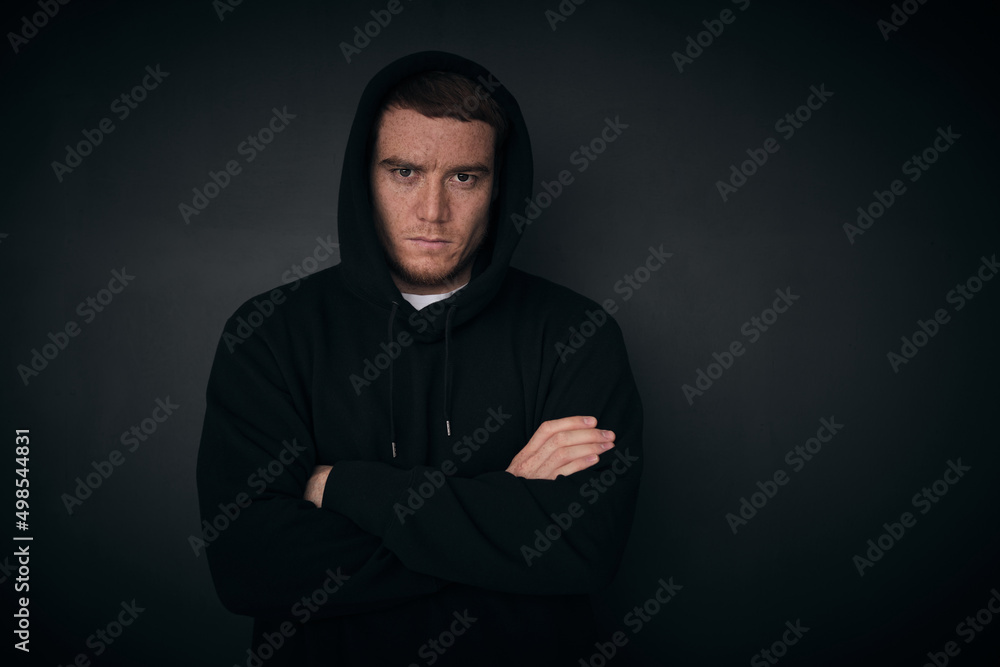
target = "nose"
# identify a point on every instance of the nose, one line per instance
(432, 202)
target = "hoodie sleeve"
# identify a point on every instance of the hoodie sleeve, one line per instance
(507, 533)
(267, 547)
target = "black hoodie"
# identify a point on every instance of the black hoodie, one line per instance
(425, 551)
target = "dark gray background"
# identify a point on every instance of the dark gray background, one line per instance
(826, 357)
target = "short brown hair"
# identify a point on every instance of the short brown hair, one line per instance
(448, 95)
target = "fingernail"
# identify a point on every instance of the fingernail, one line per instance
(608, 434)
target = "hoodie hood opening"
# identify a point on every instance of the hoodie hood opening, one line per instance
(366, 271)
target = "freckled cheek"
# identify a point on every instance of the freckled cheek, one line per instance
(471, 204)
(393, 210)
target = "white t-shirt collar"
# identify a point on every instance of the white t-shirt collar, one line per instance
(420, 301)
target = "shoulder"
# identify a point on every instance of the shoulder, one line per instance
(299, 295)
(559, 315)
(574, 329)
(545, 298)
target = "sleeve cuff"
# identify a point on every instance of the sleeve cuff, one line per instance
(365, 492)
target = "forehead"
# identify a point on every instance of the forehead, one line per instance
(408, 133)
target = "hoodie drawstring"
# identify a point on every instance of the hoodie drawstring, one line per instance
(447, 370)
(447, 375)
(392, 418)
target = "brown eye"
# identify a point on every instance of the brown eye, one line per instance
(464, 178)
(405, 173)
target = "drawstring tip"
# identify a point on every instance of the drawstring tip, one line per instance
(393, 450)
(447, 425)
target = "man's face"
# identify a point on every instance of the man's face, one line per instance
(431, 180)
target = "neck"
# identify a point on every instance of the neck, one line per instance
(440, 288)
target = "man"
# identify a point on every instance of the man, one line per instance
(436, 466)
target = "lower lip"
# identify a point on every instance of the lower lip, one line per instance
(430, 245)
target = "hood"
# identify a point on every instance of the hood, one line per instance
(363, 262)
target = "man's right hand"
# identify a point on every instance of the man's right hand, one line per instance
(561, 447)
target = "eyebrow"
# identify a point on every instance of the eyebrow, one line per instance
(400, 163)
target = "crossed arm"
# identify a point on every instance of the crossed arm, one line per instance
(280, 547)
(558, 447)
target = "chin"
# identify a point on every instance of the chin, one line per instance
(422, 275)
(427, 279)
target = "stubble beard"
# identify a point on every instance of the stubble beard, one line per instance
(428, 278)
